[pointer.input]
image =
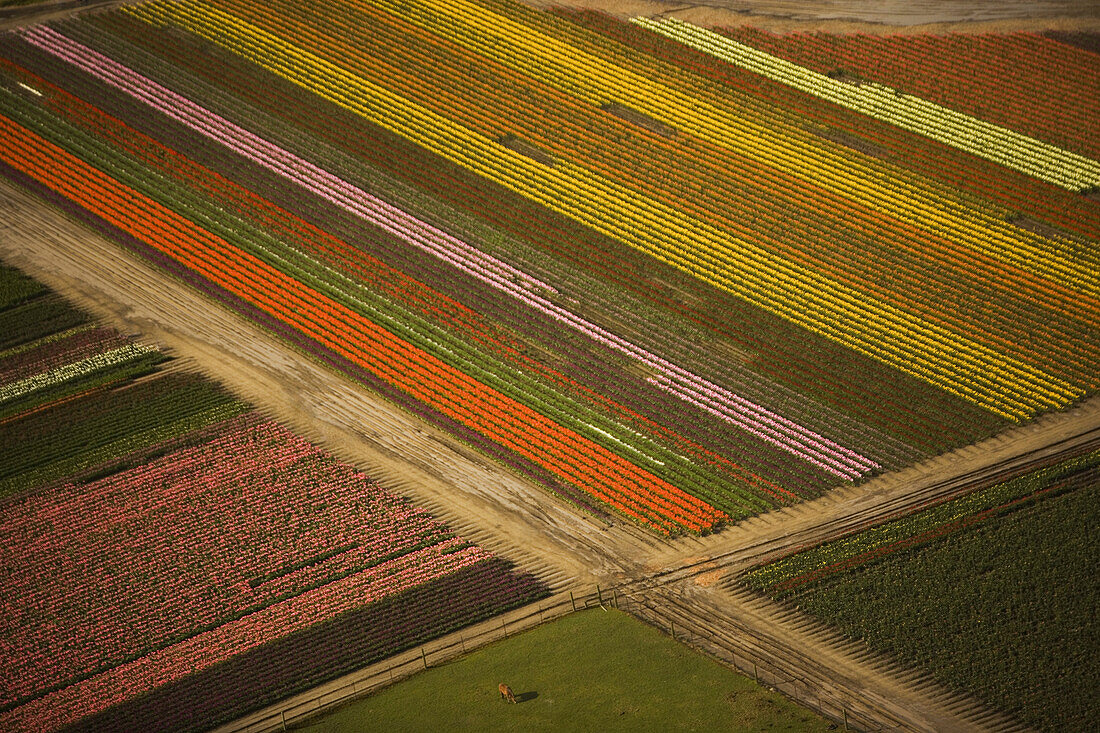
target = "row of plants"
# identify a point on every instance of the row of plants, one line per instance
(1014, 150)
(520, 314)
(162, 540)
(992, 594)
(444, 184)
(1023, 81)
(874, 328)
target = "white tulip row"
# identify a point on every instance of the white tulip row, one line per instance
(992, 142)
(73, 371)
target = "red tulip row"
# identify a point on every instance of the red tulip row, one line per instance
(1022, 81)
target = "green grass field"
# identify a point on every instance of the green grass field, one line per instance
(589, 670)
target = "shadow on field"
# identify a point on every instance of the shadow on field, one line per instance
(526, 696)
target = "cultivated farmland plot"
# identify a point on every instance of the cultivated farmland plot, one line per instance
(677, 277)
(172, 559)
(685, 314)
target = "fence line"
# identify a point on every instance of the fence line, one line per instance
(321, 699)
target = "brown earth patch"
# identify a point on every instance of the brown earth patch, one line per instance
(888, 17)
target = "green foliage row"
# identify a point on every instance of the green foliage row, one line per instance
(1005, 611)
(780, 578)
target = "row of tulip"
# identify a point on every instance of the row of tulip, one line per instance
(448, 185)
(482, 301)
(410, 368)
(74, 370)
(1024, 81)
(353, 138)
(796, 572)
(213, 546)
(879, 331)
(687, 108)
(1004, 146)
(54, 350)
(743, 413)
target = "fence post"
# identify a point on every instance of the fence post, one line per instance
(504, 626)
(572, 601)
(424, 657)
(282, 717)
(755, 674)
(672, 623)
(599, 595)
(845, 711)
(615, 597)
(462, 642)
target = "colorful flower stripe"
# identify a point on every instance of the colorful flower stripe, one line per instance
(596, 79)
(54, 351)
(1004, 146)
(976, 373)
(736, 410)
(1022, 81)
(367, 144)
(867, 271)
(74, 370)
(588, 465)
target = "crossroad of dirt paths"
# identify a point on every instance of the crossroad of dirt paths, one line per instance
(664, 580)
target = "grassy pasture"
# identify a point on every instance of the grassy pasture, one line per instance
(587, 671)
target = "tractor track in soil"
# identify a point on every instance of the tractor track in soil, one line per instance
(686, 581)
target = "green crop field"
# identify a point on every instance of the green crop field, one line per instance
(590, 670)
(993, 594)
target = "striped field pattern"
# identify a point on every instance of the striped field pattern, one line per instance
(674, 278)
(173, 560)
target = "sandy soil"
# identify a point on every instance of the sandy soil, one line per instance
(501, 510)
(859, 16)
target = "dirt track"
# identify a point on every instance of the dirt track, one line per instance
(886, 17)
(499, 509)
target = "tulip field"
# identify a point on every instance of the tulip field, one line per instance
(171, 559)
(993, 593)
(675, 278)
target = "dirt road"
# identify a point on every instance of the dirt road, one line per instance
(502, 511)
(885, 17)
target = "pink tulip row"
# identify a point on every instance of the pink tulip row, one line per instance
(139, 558)
(201, 651)
(319, 181)
(734, 409)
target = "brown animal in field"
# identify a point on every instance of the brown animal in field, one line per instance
(506, 692)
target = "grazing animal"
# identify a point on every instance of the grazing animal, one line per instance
(506, 693)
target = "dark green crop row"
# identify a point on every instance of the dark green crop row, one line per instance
(1003, 609)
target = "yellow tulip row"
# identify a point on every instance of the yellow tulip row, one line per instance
(1002, 385)
(1007, 147)
(599, 80)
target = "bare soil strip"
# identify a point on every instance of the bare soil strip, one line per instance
(504, 512)
(885, 17)
(20, 16)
